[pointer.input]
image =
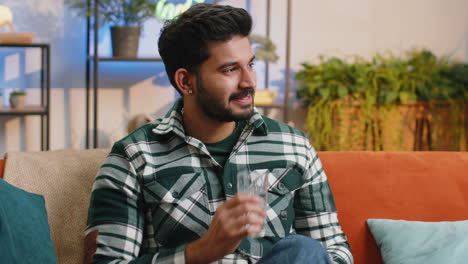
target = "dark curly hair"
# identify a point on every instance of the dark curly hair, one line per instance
(183, 42)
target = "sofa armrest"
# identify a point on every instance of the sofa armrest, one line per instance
(65, 179)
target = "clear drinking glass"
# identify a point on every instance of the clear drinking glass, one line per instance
(254, 182)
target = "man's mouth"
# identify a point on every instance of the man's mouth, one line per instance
(244, 97)
(246, 100)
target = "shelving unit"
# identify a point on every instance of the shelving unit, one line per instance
(93, 60)
(92, 77)
(128, 59)
(41, 110)
(285, 105)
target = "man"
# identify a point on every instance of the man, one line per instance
(167, 192)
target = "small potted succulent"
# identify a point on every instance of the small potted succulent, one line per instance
(18, 99)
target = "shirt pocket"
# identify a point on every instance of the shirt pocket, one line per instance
(280, 210)
(177, 207)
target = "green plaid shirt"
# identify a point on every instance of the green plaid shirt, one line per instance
(159, 188)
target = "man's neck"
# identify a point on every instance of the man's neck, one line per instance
(204, 128)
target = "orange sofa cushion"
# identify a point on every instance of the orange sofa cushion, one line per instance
(419, 186)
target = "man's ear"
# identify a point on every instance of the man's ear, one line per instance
(185, 81)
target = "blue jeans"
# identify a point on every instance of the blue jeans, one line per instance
(296, 249)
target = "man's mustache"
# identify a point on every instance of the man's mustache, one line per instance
(244, 93)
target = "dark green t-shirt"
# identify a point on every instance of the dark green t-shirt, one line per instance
(222, 149)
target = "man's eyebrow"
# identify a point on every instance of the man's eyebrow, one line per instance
(232, 63)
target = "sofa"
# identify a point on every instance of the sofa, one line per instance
(413, 186)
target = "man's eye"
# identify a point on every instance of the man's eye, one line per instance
(229, 69)
(251, 64)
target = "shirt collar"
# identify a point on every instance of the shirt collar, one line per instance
(172, 122)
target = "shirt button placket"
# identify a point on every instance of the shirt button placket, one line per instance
(284, 215)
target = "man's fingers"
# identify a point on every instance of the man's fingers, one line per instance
(248, 224)
(252, 225)
(241, 220)
(252, 230)
(241, 198)
(242, 209)
(248, 208)
(242, 215)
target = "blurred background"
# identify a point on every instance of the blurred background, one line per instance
(356, 74)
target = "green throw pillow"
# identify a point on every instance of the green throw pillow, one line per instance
(24, 230)
(405, 242)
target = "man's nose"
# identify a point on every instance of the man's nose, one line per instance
(248, 79)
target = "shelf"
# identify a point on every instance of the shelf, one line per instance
(31, 45)
(42, 108)
(28, 110)
(273, 105)
(137, 59)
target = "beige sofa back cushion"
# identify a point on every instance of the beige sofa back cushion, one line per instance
(65, 179)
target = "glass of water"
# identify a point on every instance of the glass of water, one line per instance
(254, 182)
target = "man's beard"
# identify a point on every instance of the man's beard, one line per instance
(213, 106)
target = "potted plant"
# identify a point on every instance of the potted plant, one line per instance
(387, 103)
(125, 18)
(18, 99)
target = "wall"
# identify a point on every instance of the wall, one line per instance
(365, 27)
(336, 27)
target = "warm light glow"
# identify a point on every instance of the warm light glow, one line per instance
(6, 16)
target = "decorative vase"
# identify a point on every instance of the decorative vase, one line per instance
(125, 41)
(18, 101)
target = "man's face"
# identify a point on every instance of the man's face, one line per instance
(226, 81)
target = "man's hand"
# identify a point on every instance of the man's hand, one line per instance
(239, 217)
(90, 247)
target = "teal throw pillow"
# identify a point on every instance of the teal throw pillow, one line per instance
(24, 230)
(413, 242)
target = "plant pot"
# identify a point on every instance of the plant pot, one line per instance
(418, 126)
(125, 41)
(18, 101)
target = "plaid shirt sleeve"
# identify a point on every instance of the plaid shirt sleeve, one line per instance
(316, 214)
(116, 212)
